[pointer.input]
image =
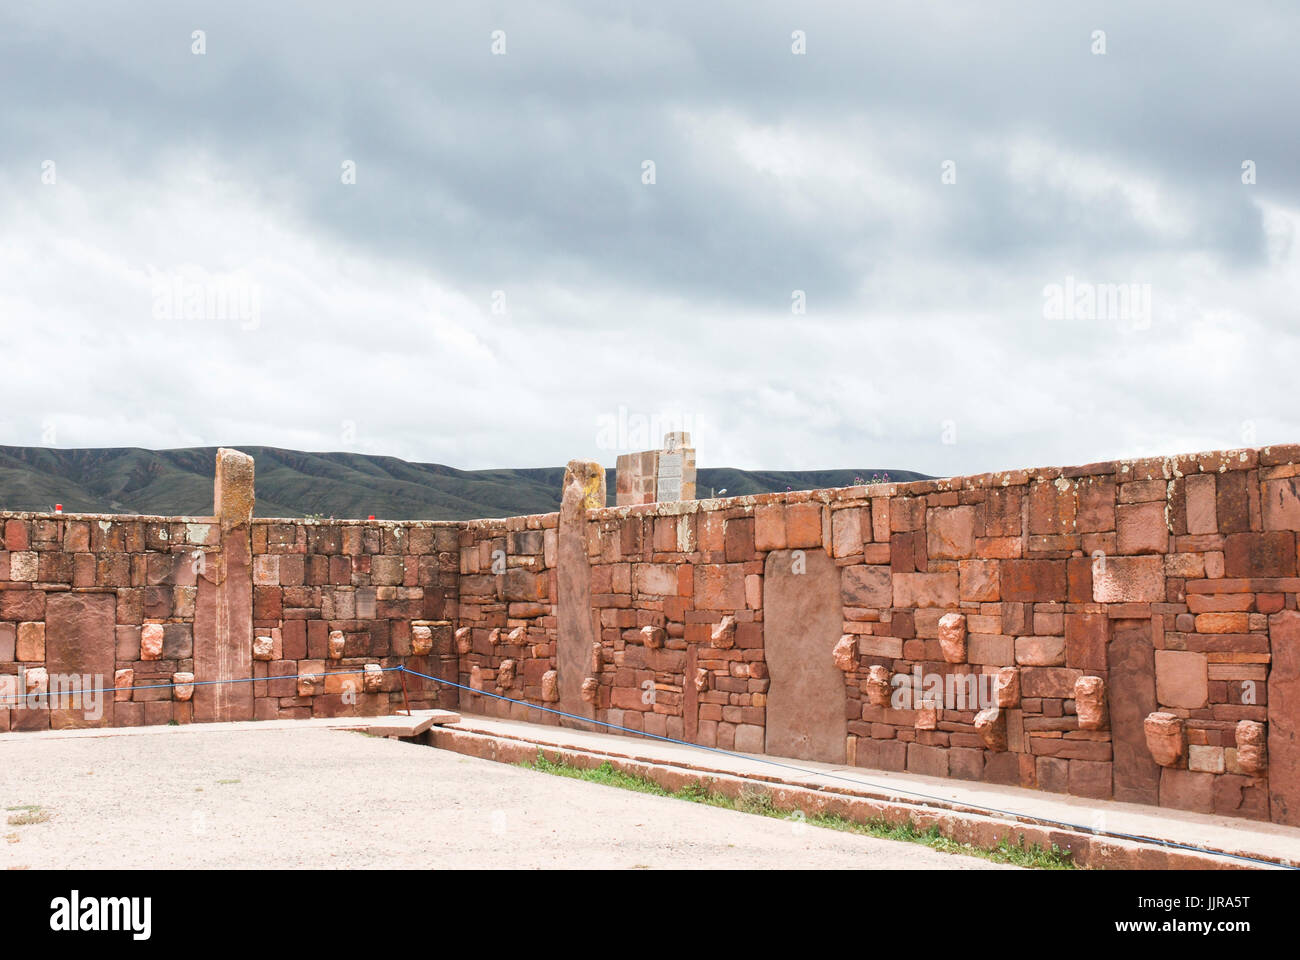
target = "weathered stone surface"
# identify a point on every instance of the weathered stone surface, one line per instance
(372, 681)
(263, 648)
(80, 639)
(802, 622)
(233, 489)
(878, 686)
(550, 686)
(151, 641)
(952, 637)
(1269, 554)
(701, 679)
(991, 724)
(337, 644)
(1252, 747)
(1128, 580)
(184, 685)
(222, 636)
(925, 589)
(1040, 651)
(464, 640)
(866, 586)
(575, 620)
(506, 674)
(723, 636)
(123, 681)
(308, 684)
(590, 689)
(845, 653)
(1006, 686)
(421, 640)
(1166, 740)
(1090, 702)
(1182, 679)
(31, 642)
(950, 532)
(1131, 671)
(1284, 717)
(926, 716)
(653, 637)
(589, 476)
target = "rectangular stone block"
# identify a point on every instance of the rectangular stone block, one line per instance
(1033, 580)
(1128, 580)
(925, 589)
(1182, 679)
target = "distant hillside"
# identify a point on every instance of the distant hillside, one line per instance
(291, 483)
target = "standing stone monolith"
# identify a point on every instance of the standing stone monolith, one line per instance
(223, 614)
(576, 633)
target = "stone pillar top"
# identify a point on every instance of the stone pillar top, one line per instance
(233, 489)
(591, 476)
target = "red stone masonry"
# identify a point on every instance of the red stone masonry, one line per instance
(1139, 618)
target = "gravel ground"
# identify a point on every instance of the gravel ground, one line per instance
(325, 798)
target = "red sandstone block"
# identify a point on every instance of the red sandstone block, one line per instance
(1271, 554)
(1096, 506)
(925, 589)
(950, 532)
(1051, 507)
(1280, 503)
(1000, 513)
(769, 527)
(1129, 580)
(1079, 576)
(720, 586)
(846, 532)
(1201, 504)
(803, 525)
(999, 548)
(1232, 502)
(1090, 778)
(1033, 580)
(979, 581)
(739, 539)
(1142, 528)
(1085, 641)
(1048, 682)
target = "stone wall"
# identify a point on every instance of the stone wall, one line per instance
(1082, 600)
(1122, 630)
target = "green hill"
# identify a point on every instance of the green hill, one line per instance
(292, 483)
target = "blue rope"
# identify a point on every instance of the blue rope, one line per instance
(862, 783)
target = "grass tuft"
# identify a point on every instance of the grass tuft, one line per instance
(756, 800)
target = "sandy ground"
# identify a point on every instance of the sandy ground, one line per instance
(324, 798)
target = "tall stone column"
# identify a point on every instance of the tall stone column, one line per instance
(223, 613)
(576, 629)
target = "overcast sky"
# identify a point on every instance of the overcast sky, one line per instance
(938, 187)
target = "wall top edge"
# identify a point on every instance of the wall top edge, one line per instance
(110, 517)
(1148, 468)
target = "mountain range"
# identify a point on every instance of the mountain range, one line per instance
(294, 483)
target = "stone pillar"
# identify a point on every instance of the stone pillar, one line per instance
(223, 613)
(1284, 718)
(653, 476)
(576, 629)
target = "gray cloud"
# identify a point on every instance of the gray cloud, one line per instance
(775, 173)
